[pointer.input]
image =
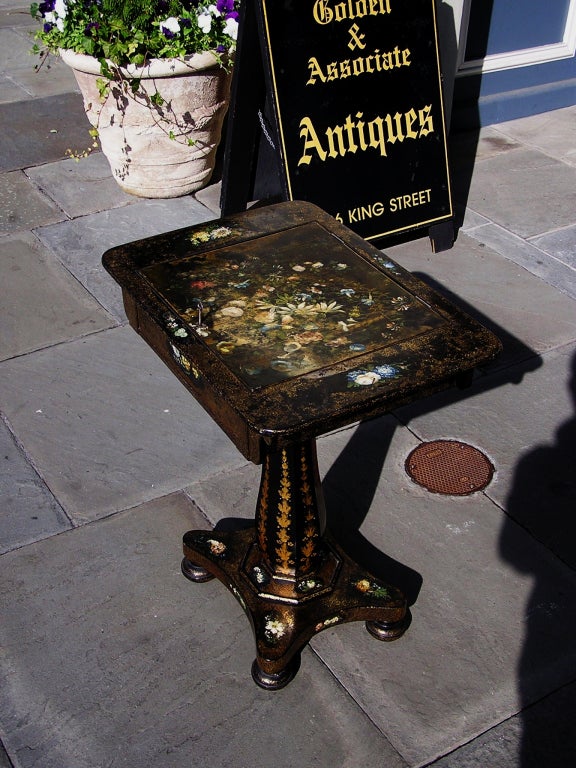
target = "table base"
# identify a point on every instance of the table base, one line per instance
(286, 613)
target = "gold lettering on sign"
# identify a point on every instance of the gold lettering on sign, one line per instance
(363, 212)
(356, 38)
(377, 61)
(411, 200)
(356, 134)
(324, 13)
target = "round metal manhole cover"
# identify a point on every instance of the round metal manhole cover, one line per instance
(449, 467)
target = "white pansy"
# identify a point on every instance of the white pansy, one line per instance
(51, 18)
(213, 10)
(60, 8)
(231, 28)
(205, 21)
(171, 24)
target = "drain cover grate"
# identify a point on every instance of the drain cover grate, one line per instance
(449, 467)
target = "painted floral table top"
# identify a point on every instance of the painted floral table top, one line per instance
(284, 324)
(300, 301)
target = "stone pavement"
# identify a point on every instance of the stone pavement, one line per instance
(108, 656)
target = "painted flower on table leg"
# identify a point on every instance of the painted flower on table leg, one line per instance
(274, 628)
(371, 588)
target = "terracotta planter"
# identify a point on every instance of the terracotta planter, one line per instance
(158, 151)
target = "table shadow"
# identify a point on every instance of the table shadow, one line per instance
(349, 489)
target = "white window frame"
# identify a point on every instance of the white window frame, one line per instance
(563, 49)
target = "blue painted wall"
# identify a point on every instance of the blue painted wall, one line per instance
(499, 26)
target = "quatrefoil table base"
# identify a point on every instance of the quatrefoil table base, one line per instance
(285, 325)
(292, 579)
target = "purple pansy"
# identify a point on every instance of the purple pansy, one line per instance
(225, 6)
(46, 7)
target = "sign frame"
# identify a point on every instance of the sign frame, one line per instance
(264, 139)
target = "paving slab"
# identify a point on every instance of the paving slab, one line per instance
(561, 245)
(531, 255)
(552, 132)
(29, 511)
(9, 92)
(14, 13)
(108, 425)
(455, 672)
(42, 304)
(15, 47)
(472, 220)
(210, 197)
(41, 130)
(81, 187)
(34, 78)
(543, 735)
(528, 429)
(52, 79)
(80, 243)
(40, 78)
(488, 635)
(473, 146)
(528, 315)
(23, 205)
(466, 149)
(157, 670)
(4, 760)
(16, 6)
(525, 191)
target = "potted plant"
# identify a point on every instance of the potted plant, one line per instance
(155, 79)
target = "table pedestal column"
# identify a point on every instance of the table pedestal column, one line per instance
(290, 577)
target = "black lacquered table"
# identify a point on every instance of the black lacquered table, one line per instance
(285, 325)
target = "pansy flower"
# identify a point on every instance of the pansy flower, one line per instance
(170, 27)
(231, 27)
(225, 6)
(205, 21)
(46, 7)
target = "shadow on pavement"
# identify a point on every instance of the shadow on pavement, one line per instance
(543, 501)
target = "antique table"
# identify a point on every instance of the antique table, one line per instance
(285, 325)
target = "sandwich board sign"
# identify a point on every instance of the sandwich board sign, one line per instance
(339, 103)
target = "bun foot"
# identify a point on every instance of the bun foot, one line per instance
(273, 681)
(195, 572)
(389, 630)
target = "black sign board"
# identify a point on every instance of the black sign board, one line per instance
(348, 115)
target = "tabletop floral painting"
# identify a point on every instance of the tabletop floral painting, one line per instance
(305, 302)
